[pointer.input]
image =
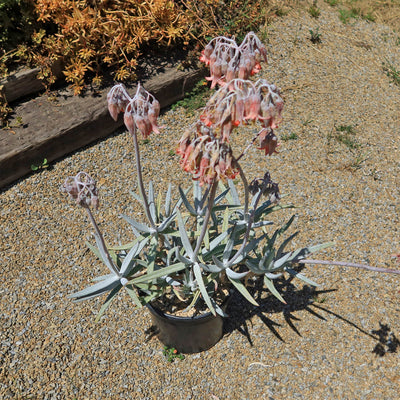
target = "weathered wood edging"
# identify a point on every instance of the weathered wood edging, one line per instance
(53, 129)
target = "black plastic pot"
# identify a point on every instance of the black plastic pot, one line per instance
(187, 334)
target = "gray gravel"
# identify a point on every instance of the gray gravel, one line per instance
(339, 343)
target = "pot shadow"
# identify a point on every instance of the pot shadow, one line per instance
(240, 312)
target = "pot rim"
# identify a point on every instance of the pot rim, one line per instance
(201, 317)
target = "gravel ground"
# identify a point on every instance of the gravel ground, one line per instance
(341, 342)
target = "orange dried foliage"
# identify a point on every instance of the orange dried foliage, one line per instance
(95, 34)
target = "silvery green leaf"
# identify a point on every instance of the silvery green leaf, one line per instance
(158, 273)
(184, 237)
(214, 269)
(107, 302)
(103, 253)
(301, 276)
(235, 275)
(136, 196)
(96, 289)
(197, 197)
(254, 199)
(285, 243)
(167, 206)
(229, 247)
(152, 201)
(171, 281)
(218, 309)
(133, 252)
(219, 264)
(220, 197)
(216, 241)
(253, 266)
(126, 246)
(242, 289)
(269, 275)
(318, 247)
(133, 295)
(233, 193)
(267, 260)
(281, 261)
(202, 287)
(94, 250)
(102, 277)
(137, 225)
(164, 225)
(186, 202)
(270, 286)
(301, 253)
(260, 224)
(183, 259)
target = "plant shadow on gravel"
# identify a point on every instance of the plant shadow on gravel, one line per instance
(240, 313)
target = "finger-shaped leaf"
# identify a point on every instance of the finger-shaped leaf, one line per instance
(107, 303)
(167, 205)
(136, 196)
(285, 243)
(281, 262)
(159, 273)
(186, 202)
(152, 201)
(202, 287)
(133, 295)
(96, 289)
(301, 276)
(242, 289)
(235, 275)
(133, 252)
(233, 193)
(104, 255)
(270, 286)
(184, 237)
(137, 225)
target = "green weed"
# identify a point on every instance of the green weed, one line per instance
(346, 15)
(195, 99)
(314, 11)
(345, 134)
(37, 167)
(290, 136)
(315, 36)
(392, 72)
(171, 354)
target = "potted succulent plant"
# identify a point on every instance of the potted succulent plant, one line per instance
(191, 251)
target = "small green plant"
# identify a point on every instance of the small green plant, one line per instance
(369, 17)
(290, 136)
(345, 134)
(194, 99)
(332, 3)
(315, 36)
(314, 11)
(359, 160)
(37, 167)
(346, 15)
(171, 354)
(392, 72)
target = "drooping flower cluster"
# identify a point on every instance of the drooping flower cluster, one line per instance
(267, 187)
(140, 112)
(229, 61)
(243, 101)
(205, 156)
(82, 188)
